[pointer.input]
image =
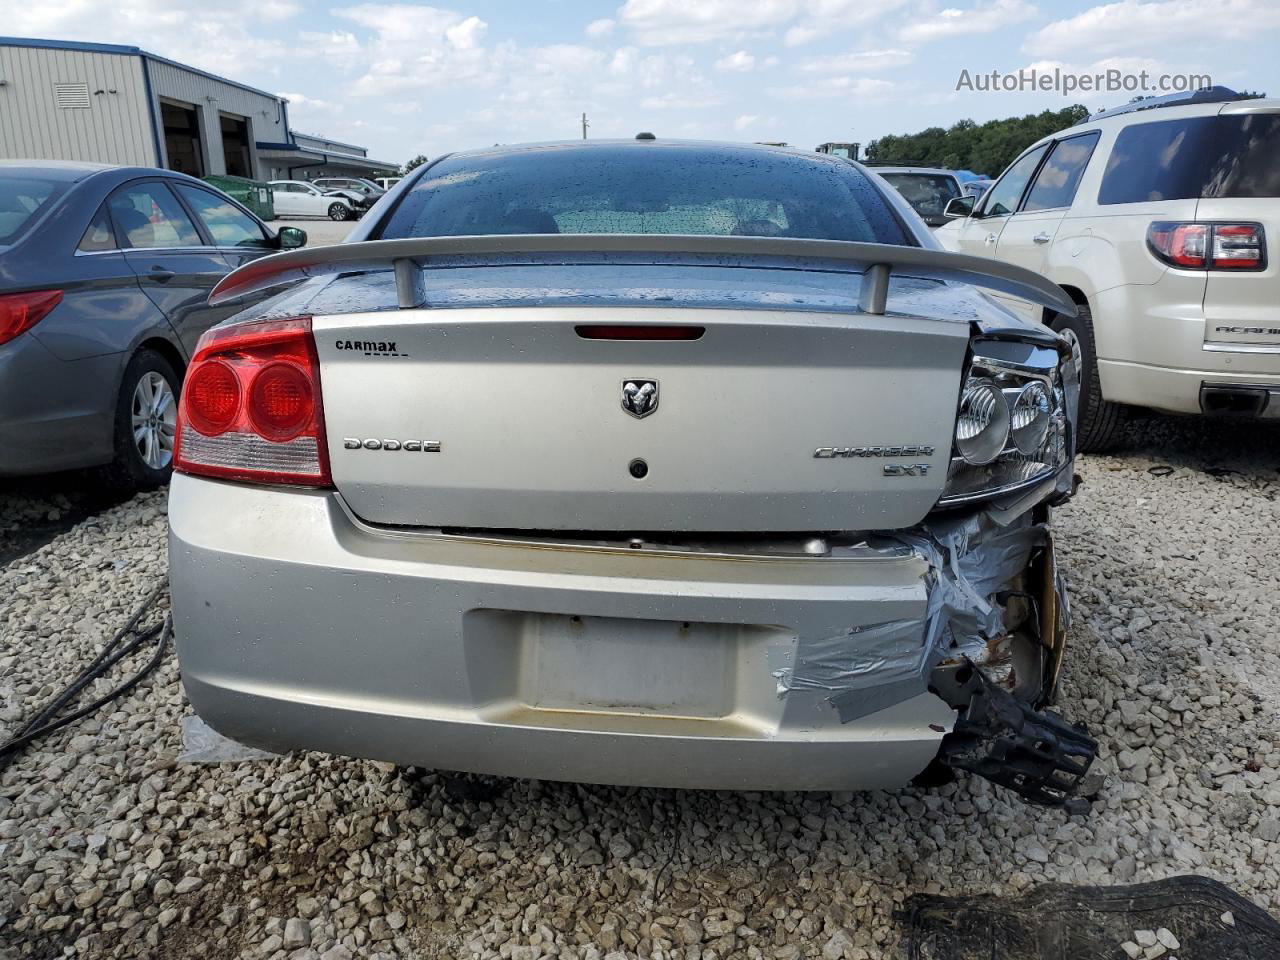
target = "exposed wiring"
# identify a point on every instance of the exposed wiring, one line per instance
(127, 640)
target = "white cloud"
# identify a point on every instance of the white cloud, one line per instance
(745, 121)
(680, 101)
(982, 18)
(864, 61)
(798, 36)
(600, 28)
(219, 37)
(662, 22)
(416, 47)
(1130, 26)
(740, 62)
(302, 100)
(828, 87)
(673, 22)
(562, 59)
(467, 34)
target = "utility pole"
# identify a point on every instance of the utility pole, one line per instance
(584, 126)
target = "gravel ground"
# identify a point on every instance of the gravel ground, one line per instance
(111, 847)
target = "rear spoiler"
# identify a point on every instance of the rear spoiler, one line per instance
(408, 257)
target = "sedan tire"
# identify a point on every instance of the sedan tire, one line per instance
(145, 423)
(339, 211)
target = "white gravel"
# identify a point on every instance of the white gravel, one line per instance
(108, 847)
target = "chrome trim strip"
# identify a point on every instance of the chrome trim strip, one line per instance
(865, 553)
(1222, 346)
(958, 500)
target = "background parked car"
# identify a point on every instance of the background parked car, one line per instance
(976, 188)
(105, 274)
(297, 198)
(363, 193)
(1155, 218)
(927, 189)
(386, 183)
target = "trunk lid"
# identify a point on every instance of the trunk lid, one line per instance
(532, 431)
(1243, 186)
(1244, 307)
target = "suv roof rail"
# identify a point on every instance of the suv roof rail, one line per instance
(1214, 94)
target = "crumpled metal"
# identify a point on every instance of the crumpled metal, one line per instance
(971, 559)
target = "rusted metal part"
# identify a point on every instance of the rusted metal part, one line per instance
(1054, 618)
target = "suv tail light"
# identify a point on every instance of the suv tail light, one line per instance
(251, 406)
(19, 312)
(1212, 246)
(1237, 246)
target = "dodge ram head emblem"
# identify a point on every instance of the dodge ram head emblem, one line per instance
(639, 397)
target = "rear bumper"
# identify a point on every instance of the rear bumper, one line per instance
(1180, 390)
(54, 414)
(299, 627)
(1157, 347)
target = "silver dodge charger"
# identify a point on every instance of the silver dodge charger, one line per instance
(635, 462)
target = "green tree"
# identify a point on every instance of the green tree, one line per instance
(982, 147)
(413, 164)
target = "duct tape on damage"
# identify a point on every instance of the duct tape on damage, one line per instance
(203, 744)
(866, 669)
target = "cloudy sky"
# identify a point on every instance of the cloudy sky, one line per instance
(406, 78)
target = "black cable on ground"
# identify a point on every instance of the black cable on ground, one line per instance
(115, 650)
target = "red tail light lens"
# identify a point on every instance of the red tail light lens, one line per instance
(1237, 246)
(281, 401)
(19, 312)
(1212, 246)
(251, 407)
(1179, 244)
(212, 398)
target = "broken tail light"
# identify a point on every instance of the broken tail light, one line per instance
(1014, 421)
(1211, 246)
(251, 407)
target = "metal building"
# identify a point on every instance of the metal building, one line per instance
(306, 157)
(102, 102)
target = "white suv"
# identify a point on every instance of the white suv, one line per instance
(1154, 217)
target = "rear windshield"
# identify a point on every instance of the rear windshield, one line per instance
(20, 198)
(1222, 156)
(649, 189)
(928, 193)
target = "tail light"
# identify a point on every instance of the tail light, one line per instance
(1211, 246)
(1237, 246)
(251, 407)
(19, 312)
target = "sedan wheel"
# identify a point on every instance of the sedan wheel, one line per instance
(145, 423)
(154, 420)
(339, 211)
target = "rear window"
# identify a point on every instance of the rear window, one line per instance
(928, 193)
(650, 189)
(1222, 156)
(21, 197)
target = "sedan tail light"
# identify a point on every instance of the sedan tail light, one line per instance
(19, 312)
(251, 407)
(1211, 246)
